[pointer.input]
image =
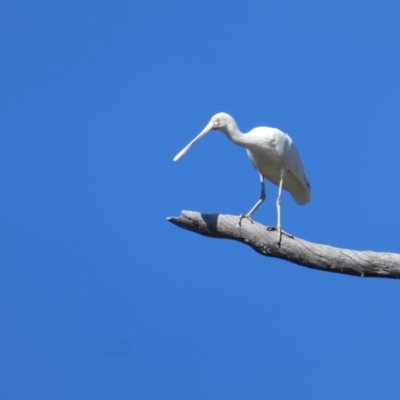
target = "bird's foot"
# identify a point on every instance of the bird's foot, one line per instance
(280, 232)
(244, 216)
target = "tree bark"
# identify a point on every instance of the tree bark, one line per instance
(264, 240)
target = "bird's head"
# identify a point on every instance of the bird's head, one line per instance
(220, 121)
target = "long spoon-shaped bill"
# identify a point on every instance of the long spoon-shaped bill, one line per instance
(207, 129)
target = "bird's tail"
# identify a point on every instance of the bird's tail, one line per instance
(300, 191)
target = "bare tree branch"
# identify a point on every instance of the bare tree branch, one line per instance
(295, 250)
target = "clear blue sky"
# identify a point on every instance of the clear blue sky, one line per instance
(101, 297)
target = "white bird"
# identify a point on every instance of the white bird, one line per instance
(272, 153)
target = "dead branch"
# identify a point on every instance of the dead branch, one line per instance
(295, 250)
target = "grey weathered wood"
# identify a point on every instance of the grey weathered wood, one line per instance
(295, 250)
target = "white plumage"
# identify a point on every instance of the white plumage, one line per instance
(270, 150)
(272, 153)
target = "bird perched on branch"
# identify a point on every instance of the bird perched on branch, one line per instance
(274, 156)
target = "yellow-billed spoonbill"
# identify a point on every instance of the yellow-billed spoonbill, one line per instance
(272, 153)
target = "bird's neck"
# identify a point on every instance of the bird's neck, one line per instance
(233, 133)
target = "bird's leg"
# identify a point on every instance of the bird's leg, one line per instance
(278, 207)
(259, 202)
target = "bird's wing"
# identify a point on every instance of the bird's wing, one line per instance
(290, 157)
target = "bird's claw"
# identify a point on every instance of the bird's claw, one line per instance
(280, 232)
(244, 216)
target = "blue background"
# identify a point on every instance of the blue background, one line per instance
(101, 297)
